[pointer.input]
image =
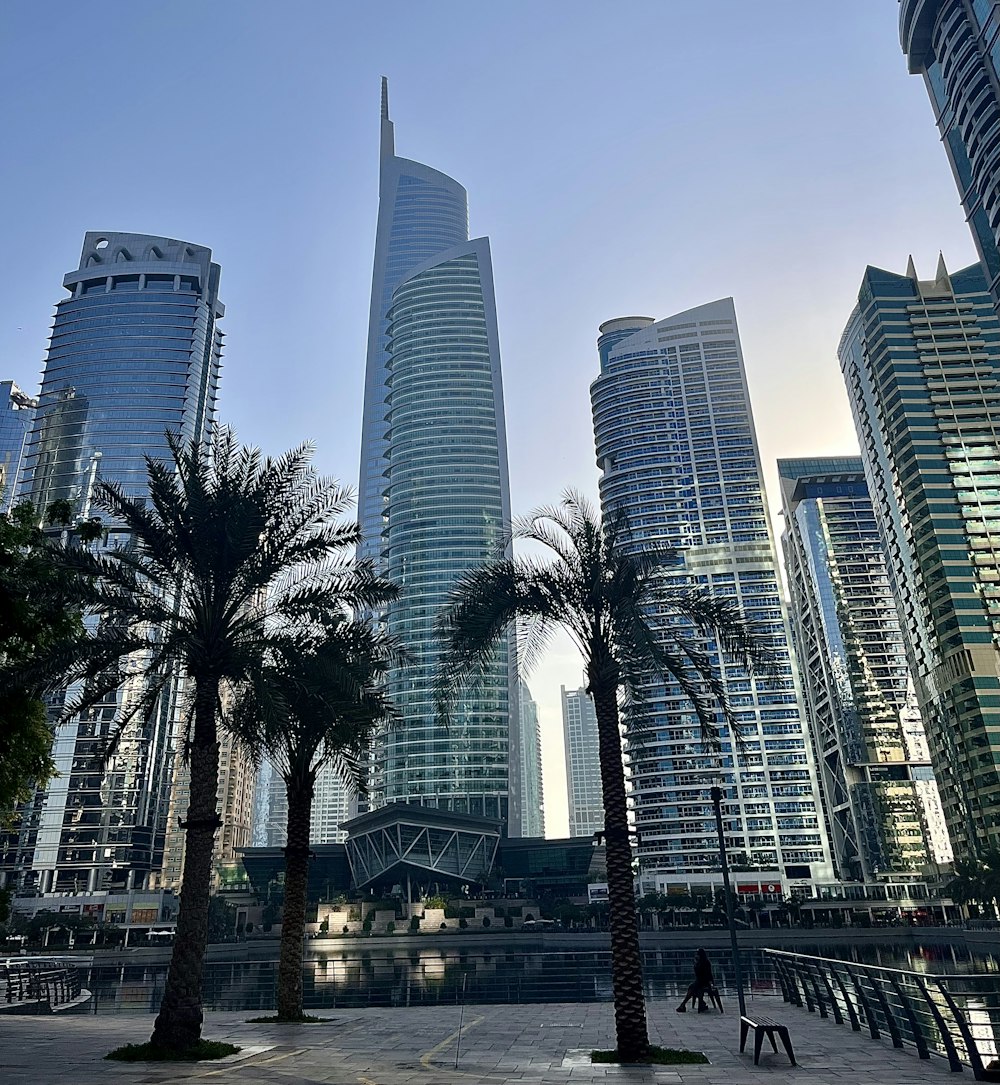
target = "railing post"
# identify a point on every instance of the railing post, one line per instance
(918, 1035)
(971, 1047)
(864, 1003)
(890, 1020)
(851, 1012)
(837, 1015)
(800, 972)
(947, 1042)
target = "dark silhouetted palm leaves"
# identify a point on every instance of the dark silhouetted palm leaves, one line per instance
(317, 707)
(632, 626)
(231, 556)
(976, 881)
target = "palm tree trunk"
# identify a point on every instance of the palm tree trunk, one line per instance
(626, 957)
(178, 1024)
(293, 917)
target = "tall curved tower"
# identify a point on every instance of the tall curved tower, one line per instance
(434, 494)
(421, 213)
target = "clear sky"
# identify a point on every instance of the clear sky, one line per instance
(628, 158)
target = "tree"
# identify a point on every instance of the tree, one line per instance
(976, 880)
(40, 613)
(223, 562)
(313, 708)
(632, 625)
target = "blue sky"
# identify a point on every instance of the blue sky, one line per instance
(628, 158)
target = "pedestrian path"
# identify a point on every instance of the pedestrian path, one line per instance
(520, 1044)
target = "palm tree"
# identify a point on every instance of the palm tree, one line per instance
(632, 625)
(315, 708)
(227, 558)
(976, 881)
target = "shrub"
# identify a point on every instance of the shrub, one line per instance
(390, 928)
(324, 927)
(367, 925)
(444, 926)
(414, 922)
(486, 920)
(347, 929)
(463, 923)
(529, 916)
(508, 921)
(249, 928)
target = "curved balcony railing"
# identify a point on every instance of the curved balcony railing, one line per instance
(954, 1016)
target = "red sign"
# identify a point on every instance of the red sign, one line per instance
(771, 887)
(747, 887)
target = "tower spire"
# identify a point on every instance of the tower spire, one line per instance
(386, 142)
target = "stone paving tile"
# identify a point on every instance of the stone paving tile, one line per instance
(523, 1045)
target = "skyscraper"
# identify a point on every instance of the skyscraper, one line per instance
(678, 456)
(921, 360)
(532, 791)
(135, 352)
(953, 45)
(434, 490)
(17, 412)
(881, 800)
(583, 763)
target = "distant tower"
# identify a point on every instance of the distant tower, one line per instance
(881, 799)
(17, 413)
(583, 763)
(921, 361)
(434, 495)
(135, 351)
(678, 457)
(532, 791)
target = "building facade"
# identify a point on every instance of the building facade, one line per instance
(921, 360)
(135, 351)
(883, 810)
(955, 46)
(433, 490)
(237, 783)
(17, 413)
(678, 457)
(532, 790)
(583, 763)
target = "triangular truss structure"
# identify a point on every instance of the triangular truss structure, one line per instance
(418, 846)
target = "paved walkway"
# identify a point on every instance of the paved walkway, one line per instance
(517, 1044)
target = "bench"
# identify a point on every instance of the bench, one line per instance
(764, 1026)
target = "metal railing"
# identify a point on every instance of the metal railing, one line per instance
(420, 977)
(39, 983)
(954, 1016)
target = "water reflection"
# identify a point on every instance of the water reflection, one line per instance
(410, 976)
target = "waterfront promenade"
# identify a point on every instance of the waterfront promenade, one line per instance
(499, 1043)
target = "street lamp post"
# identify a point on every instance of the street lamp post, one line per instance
(716, 794)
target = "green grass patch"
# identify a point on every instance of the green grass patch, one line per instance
(305, 1019)
(203, 1049)
(659, 1056)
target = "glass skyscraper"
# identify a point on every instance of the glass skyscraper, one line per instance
(955, 46)
(881, 799)
(434, 492)
(921, 360)
(135, 351)
(532, 790)
(17, 412)
(583, 763)
(678, 456)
